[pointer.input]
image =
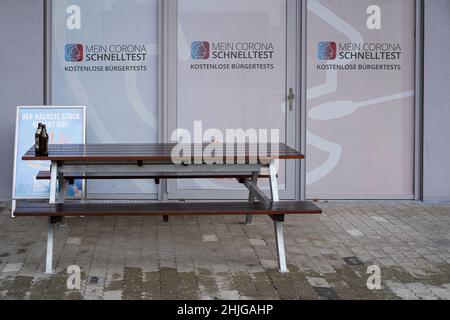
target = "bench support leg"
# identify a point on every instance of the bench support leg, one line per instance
(274, 182)
(278, 220)
(13, 208)
(63, 188)
(164, 195)
(51, 221)
(282, 267)
(61, 198)
(53, 182)
(251, 197)
(49, 256)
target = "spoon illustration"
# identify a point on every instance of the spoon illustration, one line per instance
(343, 108)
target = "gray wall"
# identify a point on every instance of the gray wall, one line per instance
(21, 73)
(437, 101)
(21, 83)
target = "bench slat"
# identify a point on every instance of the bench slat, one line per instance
(167, 209)
(161, 152)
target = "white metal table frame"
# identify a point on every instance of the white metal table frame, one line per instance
(59, 168)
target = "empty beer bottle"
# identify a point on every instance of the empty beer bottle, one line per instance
(37, 138)
(43, 148)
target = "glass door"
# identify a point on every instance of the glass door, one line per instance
(361, 99)
(236, 73)
(104, 55)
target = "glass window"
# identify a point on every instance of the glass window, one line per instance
(104, 57)
(361, 104)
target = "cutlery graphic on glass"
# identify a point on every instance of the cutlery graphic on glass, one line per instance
(343, 108)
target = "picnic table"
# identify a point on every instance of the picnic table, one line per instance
(246, 163)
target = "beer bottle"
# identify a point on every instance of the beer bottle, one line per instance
(44, 141)
(37, 137)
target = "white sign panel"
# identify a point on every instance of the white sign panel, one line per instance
(65, 125)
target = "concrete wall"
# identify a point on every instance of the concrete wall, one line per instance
(437, 101)
(21, 73)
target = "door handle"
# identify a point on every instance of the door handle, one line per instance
(291, 99)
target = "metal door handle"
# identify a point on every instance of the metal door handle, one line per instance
(291, 99)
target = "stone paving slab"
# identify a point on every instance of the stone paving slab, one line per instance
(222, 258)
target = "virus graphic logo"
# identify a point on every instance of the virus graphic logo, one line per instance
(200, 50)
(74, 52)
(326, 50)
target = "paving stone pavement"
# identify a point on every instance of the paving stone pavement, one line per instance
(221, 258)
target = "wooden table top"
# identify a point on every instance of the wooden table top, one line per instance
(154, 152)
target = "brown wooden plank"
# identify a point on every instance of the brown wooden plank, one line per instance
(154, 152)
(167, 209)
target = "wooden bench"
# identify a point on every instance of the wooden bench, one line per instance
(247, 164)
